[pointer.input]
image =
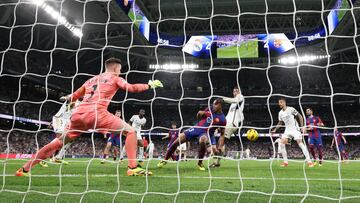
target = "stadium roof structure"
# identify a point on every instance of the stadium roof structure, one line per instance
(28, 25)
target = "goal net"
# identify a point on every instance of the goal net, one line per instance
(305, 51)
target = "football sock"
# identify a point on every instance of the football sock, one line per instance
(319, 148)
(305, 151)
(202, 151)
(62, 151)
(141, 153)
(312, 151)
(131, 147)
(171, 150)
(283, 152)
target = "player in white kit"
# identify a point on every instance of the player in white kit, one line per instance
(150, 150)
(287, 116)
(137, 122)
(59, 122)
(234, 119)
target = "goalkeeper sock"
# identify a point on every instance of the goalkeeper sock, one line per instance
(61, 154)
(283, 152)
(141, 153)
(305, 151)
(202, 151)
(131, 147)
(43, 153)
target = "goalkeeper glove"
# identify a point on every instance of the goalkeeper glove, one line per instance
(155, 84)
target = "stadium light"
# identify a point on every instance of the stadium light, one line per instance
(57, 16)
(173, 66)
(305, 58)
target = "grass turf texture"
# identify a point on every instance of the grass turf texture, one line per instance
(89, 181)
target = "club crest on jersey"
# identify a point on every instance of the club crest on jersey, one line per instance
(208, 120)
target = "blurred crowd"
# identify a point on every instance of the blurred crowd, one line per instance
(92, 145)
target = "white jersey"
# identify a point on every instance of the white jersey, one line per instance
(288, 117)
(235, 114)
(61, 118)
(137, 122)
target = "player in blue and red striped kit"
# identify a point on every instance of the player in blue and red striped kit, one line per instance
(173, 135)
(314, 139)
(340, 142)
(211, 119)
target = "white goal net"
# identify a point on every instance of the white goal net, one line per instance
(302, 52)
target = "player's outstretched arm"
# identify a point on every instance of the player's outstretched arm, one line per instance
(239, 98)
(332, 142)
(200, 114)
(138, 87)
(166, 137)
(74, 96)
(301, 122)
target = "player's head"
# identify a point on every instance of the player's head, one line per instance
(236, 91)
(141, 112)
(309, 111)
(173, 125)
(282, 102)
(118, 113)
(217, 105)
(113, 65)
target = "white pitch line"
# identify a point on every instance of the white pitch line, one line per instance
(188, 177)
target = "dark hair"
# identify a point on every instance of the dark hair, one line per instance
(309, 108)
(142, 110)
(236, 87)
(112, 60)
(282, 98)
(219, 100)
(118, 110)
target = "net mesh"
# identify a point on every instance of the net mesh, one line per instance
(27, 56)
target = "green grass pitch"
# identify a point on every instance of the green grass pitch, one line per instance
(87, 180)
(248, 49)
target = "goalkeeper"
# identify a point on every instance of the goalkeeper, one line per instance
(234, 119)
(92, 113)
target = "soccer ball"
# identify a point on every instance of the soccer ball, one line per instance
(252, 135)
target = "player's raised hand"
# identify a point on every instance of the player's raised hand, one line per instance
(65, 98)
(155, 84)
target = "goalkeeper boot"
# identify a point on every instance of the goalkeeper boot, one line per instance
(310, 164)
(284, 164)
(43, 164)
(161, 164)
(201, 167)
(138, 171)
(22, 172)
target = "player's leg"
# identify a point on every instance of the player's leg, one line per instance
(45, 152)
(202, 150)
(59, 157)
(312, 142)
(115, 152)
(116, 145)
(319, 147)
(140, 146)
(181, 139)
(229, 130)
(123, 152)
(304, 151)
(106, 150)
(282, 144)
